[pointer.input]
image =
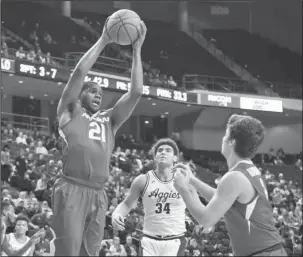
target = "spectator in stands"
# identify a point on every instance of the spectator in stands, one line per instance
(299, 164)
(18, 239)
(21, 165)
(117, 249)
(164, 81)
(40, 187)
(21, 54)
(31, 56)
(40, 57)
(33, 208)
(4, 49)
(171, 82)
(48, 58)
(157, 82)
(40, 219)
(40, 149)
(5, 164)
(193, 246)
(48, 38)
(129, 247)
(8, 215)
(21, 139)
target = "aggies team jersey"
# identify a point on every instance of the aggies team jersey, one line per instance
(89, 144)
(164, 209)
(251, 226)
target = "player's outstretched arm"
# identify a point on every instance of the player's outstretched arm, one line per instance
(127, 103)
(129, 202)
(73, 87)
(229, 189)
(7, 249)
(203, 189)
(206, 191)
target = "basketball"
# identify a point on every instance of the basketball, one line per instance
(123, 27)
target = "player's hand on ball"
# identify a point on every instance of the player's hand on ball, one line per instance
(118, 221)
(142, 33)
(105, 36)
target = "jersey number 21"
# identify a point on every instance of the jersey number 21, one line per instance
(97, 131)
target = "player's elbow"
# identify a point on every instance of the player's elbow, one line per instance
(129, 205)
(136, 93)
(205, 223)
(206, 226)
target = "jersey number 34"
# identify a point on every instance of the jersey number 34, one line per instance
(97, 131)
(163, 207)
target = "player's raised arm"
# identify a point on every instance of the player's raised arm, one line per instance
(73, 87)
(129, 202)
(127, 103)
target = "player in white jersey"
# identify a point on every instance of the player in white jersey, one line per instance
(164, 209)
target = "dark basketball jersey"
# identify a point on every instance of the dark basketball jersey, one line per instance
(89, 144)
(251, 226)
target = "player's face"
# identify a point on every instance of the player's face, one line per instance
(165, 155)
(21, 227)
(92, 98)
(227, 144)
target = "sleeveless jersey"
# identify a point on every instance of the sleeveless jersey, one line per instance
(164, 208)
(89, 141)
(17, 245)
(251, 226)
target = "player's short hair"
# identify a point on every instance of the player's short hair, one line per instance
(88, 85)
(166, 141)
(248, 134)
(22, 217)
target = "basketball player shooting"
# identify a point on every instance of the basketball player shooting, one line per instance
(241, 196)
(79, 199)
(164, 219)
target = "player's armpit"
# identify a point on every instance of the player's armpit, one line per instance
(127, 103)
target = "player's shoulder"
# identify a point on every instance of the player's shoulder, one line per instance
(234, 178)
(140, 181)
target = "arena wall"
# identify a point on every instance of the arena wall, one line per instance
(288, 137)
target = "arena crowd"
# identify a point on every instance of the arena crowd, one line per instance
(31, 162)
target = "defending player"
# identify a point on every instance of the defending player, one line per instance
(79, 201)
(241, 196)
(164, 219)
